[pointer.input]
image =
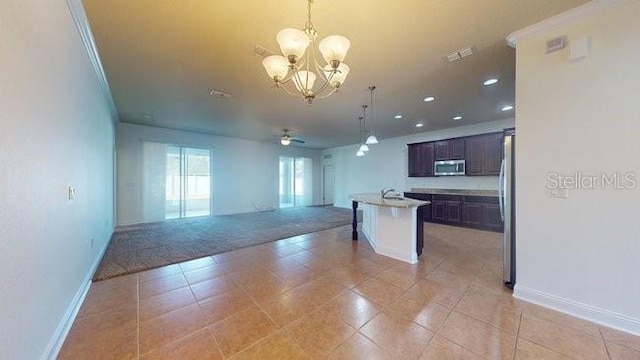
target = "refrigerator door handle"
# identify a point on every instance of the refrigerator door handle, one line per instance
(501, 180)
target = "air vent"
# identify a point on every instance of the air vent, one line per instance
(327, 156)
(261, 51)
(460, 54)
(556, 44)
(220, 94)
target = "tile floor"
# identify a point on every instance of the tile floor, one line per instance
(323, 296)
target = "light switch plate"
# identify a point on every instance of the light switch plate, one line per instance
(71, 192)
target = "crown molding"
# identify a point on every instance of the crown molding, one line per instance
(572, 16)
(82, 24)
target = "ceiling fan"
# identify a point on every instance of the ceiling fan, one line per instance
(286, 138)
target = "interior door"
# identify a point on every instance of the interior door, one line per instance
(329, 183)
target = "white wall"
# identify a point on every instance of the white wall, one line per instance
(580, 254)
(55, 130)
(244, 172)
(385, 165)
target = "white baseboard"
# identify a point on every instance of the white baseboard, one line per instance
(382, 250)
(587, 312)
(62, 330)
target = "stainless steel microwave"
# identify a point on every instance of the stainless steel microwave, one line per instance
(448, 167)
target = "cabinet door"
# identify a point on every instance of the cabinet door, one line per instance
(438, 210)
(456, 149)
(473, 214)
(426, 159)
(441, 149)
(475, 149)
(414, 160)
(454, 211)
(494, 150)
(491, 217)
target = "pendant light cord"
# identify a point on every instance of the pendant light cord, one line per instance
(372, 117)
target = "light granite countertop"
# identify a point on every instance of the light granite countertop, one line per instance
(470, 192)
(397, 202)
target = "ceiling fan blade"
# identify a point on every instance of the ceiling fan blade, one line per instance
(299, 141)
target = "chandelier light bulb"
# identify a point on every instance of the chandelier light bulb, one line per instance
(339, 74)
(304, 81)
(334, 48)
(277, 67)
(293, 43)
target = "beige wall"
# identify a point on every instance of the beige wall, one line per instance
(55, 130)
(580, 254)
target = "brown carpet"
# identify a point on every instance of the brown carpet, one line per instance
(147, 246)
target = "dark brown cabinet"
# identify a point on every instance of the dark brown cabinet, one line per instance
(478, 212)
(483, 154)
(446, 208)
(421, 159)
(482, 212)
(452, 149)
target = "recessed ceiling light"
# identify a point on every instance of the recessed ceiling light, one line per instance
(490, 82)
(507, 108)
(146, 115)
(398, 116)
(457, 117)
(429, 99)
(419, 124)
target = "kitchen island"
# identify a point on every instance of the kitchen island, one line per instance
(392, 225)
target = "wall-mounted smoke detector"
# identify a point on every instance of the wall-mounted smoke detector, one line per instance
(220, 94)
(460, 54)
(261, 51)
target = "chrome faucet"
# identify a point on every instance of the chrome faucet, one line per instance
(383, 192)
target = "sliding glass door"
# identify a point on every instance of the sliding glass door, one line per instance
(176, 182)
(295, 182)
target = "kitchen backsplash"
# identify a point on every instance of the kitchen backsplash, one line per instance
(453, 182)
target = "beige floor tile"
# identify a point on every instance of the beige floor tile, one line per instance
(358, 347)
(621, 338)
(398, 277)
(278, 346)
(428, 314)
(197, 263)
(242, 330)
(159, 272)
(441, 293)
(118, 343)
(527, 350)
(199, 345)
(562, 319)
(165, 302)
(213, 287)
(160, 285)
(168, 327)
(219, 307)
(261, 285)
(290, 306)
(443, 349)
(401, 338)
(110, 294)
(489, 309)
(378, 291)
(322, 290)
(353, 308)
(562, 339)
(347, 276)
(619, 352)
(205, 273)
(478, 337)
(319, 333)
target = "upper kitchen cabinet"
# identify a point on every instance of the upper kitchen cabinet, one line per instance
(421, 159)
(452, 149)
(484, 154)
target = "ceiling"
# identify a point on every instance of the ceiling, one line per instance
(162, 57)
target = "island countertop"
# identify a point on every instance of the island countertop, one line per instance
(397, 202)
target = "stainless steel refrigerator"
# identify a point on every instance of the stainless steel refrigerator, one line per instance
(507, 188)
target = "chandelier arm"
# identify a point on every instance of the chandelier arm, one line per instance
(326, 82)
(289, 92)
(333, 91)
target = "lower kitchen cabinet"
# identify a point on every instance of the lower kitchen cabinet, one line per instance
(478, 212)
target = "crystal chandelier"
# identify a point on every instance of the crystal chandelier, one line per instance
(298, 65)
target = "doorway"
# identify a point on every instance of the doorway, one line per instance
(176, 182)
(328, 182)
(295, 185)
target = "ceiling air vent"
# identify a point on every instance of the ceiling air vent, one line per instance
(261, 51)
(219, 94)
(556, 44)
(460, 54)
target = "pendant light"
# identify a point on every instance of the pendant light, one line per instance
(372, 139)
(361, 151)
